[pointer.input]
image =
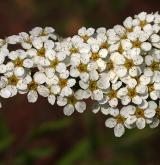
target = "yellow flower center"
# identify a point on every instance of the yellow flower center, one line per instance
(62, 83)
(128, 63)
(136, 44)
(112, 94)
(120, 49)
(150, 87)
(95, 56)
(82, 68)
(132, 92)
(13, 80)
(104, 45)
(139, 113)
(54, 63)
(85, 38)
(18, 62)
(109, 64)
(74, 50)
(41, 52)
(120, 119)
(72, 100)
(32, 85)
(142, 23)
(92, 85)
(155, 66)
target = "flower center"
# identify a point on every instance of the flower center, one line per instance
(41, 52)
(110, 65)
(18, 62)
(150, 87)
(32, 85)
(120, 49)
(54, 63)
(13, 80)
(92, 85)
(142, 23)
(132, 92)
(128, 63)
(136, 44)
(130, 30)
(85, 38)
(112, 94)
(95, 56)
(74, 50)
(82, 68)
(104, 45)
(72, 100)
(62, 83)
(155, 66)
(139, 113)
(120, 119)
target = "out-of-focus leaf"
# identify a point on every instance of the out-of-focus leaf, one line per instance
(28, 157)
(5, 143)
(80, 151)
(6, 138)
(138, 136)
(51, 126)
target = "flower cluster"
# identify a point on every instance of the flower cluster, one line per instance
(118, 68)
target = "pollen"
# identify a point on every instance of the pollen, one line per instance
(41, 52)
(95, 56)
(62, 83)
(74, 50)
(139, 113)
(136, 44)
(128, 63)
(120, 119)
(82, 68)
(92, 85)
(54, 63)
(155, 66)
(112, 94)
(13, 80)
(32, 85)
(72, 100)
(18, 62)
(132, 92)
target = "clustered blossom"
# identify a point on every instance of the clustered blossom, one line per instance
(118, 68)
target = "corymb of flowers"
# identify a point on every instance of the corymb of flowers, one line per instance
(118, 68)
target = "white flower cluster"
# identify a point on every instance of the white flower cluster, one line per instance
(118, 68)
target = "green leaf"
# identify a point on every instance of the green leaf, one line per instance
(49, 127)
(80, 151)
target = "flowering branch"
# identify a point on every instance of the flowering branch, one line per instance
(118, 68)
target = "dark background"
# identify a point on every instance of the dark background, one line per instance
(39, 133)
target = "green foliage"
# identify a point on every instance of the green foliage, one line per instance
(80, 151)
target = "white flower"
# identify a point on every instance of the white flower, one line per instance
(63, 86)
(95, 85)
(124, 66)
(71, 104)
(86, 33)
(141, 116)
(127, 95)
(117, 121)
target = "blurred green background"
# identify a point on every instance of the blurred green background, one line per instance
(39, 134)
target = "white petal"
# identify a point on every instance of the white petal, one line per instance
(140, 123)
(51, 99)
(80, 106)
(119, 130)
(32, 96)
(110, 122)
(68, 110)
